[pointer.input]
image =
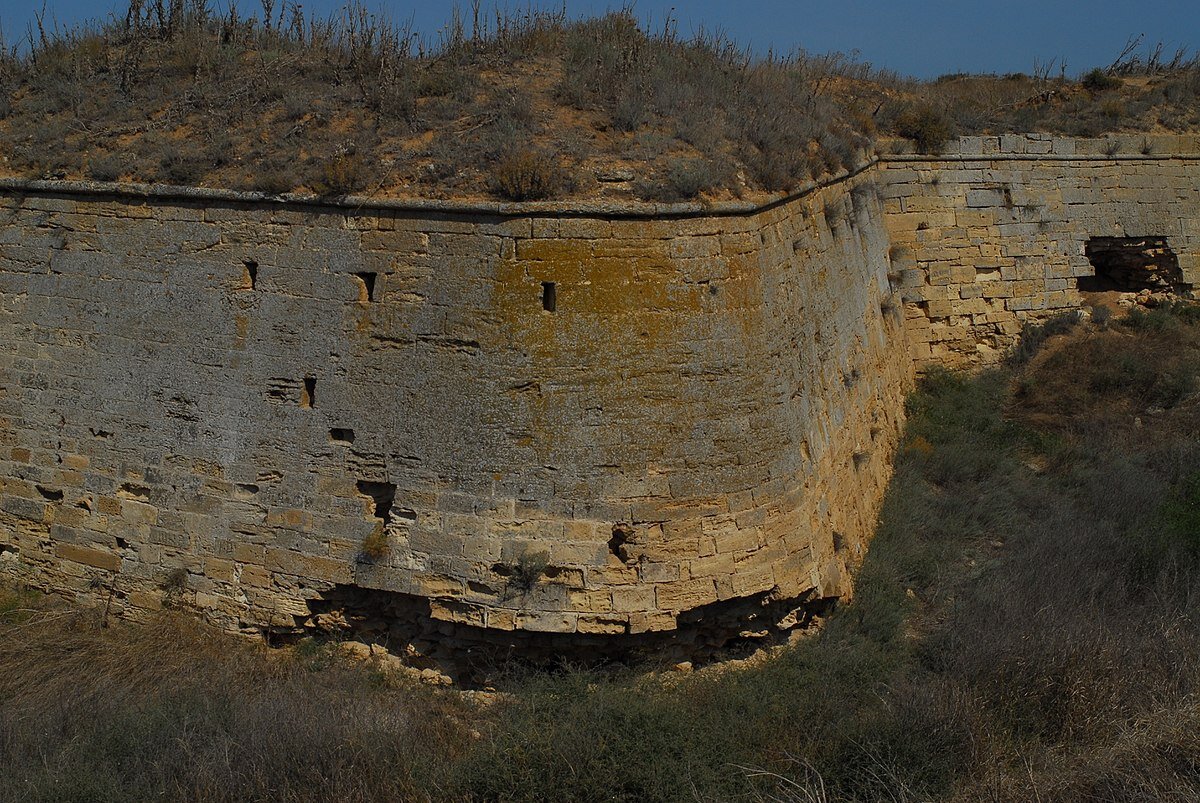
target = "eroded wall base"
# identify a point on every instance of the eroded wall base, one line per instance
(403, 626)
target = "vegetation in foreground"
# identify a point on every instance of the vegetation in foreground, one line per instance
(1024, 628)
(515, 105)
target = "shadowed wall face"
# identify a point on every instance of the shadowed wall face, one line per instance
(548, 424)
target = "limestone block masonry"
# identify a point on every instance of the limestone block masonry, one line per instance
(544, 417)
(994, 232)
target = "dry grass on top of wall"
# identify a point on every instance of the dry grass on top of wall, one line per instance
(1024, 628)
(524, 105)
(175, 92)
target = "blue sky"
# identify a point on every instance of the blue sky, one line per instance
(918, 38)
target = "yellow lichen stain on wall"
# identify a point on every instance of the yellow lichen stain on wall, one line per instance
(241, 326)
(620, 315)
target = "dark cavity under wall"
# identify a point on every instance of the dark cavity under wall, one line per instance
(1132, 264)
(475, 656)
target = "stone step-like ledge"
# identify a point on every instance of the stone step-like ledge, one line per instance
(356, 203)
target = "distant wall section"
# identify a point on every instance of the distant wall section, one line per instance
(995, 232)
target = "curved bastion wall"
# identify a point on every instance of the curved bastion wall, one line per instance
(532, 420)
(582, 419)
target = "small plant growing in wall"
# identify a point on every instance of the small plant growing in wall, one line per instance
(528, 570)
(173, 584)
(887, 304)
(376, 545)
(862, 196)
(834, 215)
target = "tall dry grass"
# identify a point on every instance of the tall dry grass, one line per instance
(174, 711)
(176, 91)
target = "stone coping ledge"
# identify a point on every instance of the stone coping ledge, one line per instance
(425, 206)
(1116, 146)
(1014, 147)
(1039, 157)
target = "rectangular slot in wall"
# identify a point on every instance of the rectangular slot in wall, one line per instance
(366, 290)
(250, 275)
(308, 394)
(549, 296)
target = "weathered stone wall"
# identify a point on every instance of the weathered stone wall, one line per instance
(993, 234)
(582, 420)
(239, 407)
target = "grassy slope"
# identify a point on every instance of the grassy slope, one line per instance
(521, 105)
(1024, 628)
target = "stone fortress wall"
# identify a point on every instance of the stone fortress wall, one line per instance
(995, 231)
(552, 418)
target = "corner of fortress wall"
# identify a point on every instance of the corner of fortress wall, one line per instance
(535, 418)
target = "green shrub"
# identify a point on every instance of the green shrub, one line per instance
(929, 128)
(106, 167)
(526, 175)
(274, 177)
(1170, 541)
(1098, 80)
(1159, 319)
(17, 605)
(685, 179)
(182, 164)
(1101, 316)
(1181, 514)
(690, 177)
(344, 173)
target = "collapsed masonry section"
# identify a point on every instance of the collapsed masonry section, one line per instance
(1131, 265)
